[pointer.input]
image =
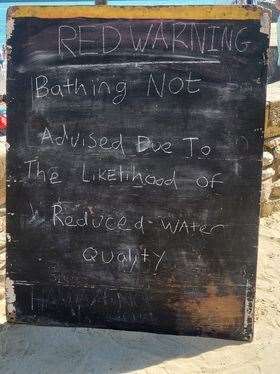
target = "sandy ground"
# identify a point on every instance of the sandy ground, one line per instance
(33, 350)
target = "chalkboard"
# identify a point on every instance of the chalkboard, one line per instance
(134, 168)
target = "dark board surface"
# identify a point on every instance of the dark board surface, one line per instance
(134, 173)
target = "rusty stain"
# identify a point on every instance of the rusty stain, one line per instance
(213, 312)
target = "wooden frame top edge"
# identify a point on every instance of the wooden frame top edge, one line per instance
(196, 12)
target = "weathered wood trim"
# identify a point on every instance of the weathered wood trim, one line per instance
(272, 119)
(230, 12)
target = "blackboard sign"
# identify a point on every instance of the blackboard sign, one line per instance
(134, 168)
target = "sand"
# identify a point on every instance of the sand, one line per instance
(33, 350)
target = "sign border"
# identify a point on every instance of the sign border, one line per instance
(196, 12)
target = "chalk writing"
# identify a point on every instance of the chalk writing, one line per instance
(173, 37)
(65, 216)
(132, 175)
(62, 135)
(42, 88)
(182, 225)
(160, 85)
(60, 218)
(50, 175)
(205, 182)
(204, 150)
(91, 141)
(128, 259)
